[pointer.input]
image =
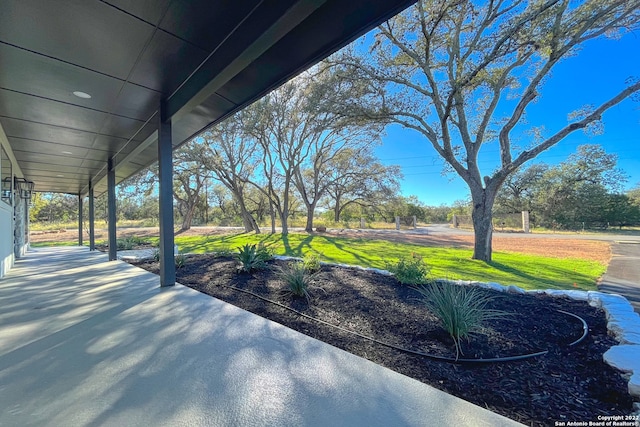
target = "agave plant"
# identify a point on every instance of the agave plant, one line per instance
(252, 257)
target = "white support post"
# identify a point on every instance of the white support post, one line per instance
(525, 222)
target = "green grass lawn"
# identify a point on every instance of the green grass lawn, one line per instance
(44, 244)
(526, 271)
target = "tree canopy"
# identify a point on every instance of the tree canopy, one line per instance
(463, 73)
(582, 192)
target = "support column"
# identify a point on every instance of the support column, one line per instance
(27, 225)
(165, 171)
(92, 228)
(111, 202)
(19, 245)
(80, 220)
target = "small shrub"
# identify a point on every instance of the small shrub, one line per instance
(297, 278)
(181, 259)
(156, 255)
(125, 243)
(311, 262)
(252, 257)
(410, 271)
(462, 310)
(129, 242)
(264, 252)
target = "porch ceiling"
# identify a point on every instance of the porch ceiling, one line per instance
(204, 58)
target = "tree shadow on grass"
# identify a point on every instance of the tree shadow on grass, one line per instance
(512, 270)
(542, 283)
(297, 249)
(198, 244)
(343, 246)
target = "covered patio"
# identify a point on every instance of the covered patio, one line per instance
(93, 92)
(85, 341)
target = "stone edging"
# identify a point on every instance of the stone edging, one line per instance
(622, 322)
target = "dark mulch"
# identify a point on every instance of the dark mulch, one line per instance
(567, 384)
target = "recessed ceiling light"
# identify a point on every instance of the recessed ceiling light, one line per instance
(60, 176)
(83, 95)
(67, 152)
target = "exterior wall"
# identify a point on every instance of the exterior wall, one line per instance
(9, 248)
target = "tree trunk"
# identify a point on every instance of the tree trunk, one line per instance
(284, 221)
(245, 222)
(187, 218)
(336, 210)
(272, 214)
(248, 222)
(311, 208)
(284, 215)
(482, 222)
(254, 224)
(309, 227)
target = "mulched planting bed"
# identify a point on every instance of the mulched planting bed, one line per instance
(567, 384)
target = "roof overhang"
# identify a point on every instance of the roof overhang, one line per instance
(205, 59)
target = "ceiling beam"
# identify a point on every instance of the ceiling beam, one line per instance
(213, 73)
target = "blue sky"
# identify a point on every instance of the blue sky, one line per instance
(597, 73)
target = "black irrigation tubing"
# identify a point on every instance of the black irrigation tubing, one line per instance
(585, 327)
(585, 330)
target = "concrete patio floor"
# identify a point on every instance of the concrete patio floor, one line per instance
(87, 342)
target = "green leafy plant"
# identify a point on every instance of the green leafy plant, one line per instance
(180, 259)
(311, 262)
(252, 257)
(410, 270)
(264, 252)
(297, 278)
(125, 243)
(130, 242)
(156, 255)
(462, 310)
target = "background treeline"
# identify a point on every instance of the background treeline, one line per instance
(216, 206)
(291, 159)
(584, 192)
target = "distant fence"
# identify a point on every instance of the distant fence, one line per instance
(515, 222)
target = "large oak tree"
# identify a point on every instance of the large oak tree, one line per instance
(463, 73)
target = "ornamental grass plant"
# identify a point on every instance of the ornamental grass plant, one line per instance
(462, 310)
(298, 279)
